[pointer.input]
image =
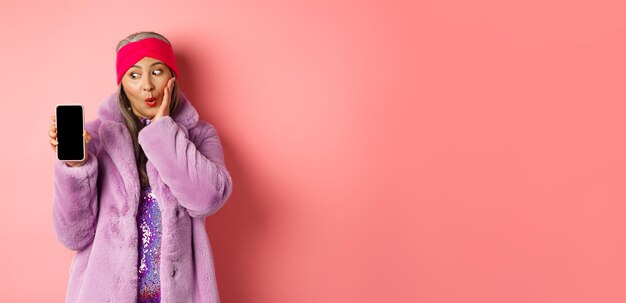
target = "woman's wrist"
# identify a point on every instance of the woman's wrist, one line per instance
(77, 163)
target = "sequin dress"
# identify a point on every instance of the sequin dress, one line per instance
(149, 228)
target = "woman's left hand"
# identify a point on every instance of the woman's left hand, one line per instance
(164, 110)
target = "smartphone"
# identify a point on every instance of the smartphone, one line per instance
(70, 125)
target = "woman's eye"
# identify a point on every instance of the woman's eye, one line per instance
(134, 75)
(157, 72)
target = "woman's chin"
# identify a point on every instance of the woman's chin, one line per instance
(148, 113)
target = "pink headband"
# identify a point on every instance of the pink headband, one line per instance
(155, 48)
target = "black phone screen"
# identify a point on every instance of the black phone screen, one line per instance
(70, 132)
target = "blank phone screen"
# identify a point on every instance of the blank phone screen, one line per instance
(70, 132)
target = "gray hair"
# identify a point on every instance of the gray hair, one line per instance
(140, 36)
(132, 122)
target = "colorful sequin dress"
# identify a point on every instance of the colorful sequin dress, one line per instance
(149, 228)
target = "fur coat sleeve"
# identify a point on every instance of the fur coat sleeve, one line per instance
(195, 173)
(75, 197)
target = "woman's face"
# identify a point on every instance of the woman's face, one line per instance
(144, 84)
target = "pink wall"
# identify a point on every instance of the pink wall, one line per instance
(381, 151)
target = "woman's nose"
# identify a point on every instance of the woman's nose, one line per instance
(147, 84)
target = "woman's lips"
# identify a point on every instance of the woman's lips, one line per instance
(151, 101)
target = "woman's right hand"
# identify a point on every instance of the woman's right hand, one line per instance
(53, 143)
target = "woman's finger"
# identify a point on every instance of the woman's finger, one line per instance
(87, 136)
(167, 94)
(54, 144)
(164, 110)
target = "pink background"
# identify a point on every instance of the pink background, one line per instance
(381, 151)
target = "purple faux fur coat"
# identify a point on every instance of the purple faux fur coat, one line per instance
(95, 206)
